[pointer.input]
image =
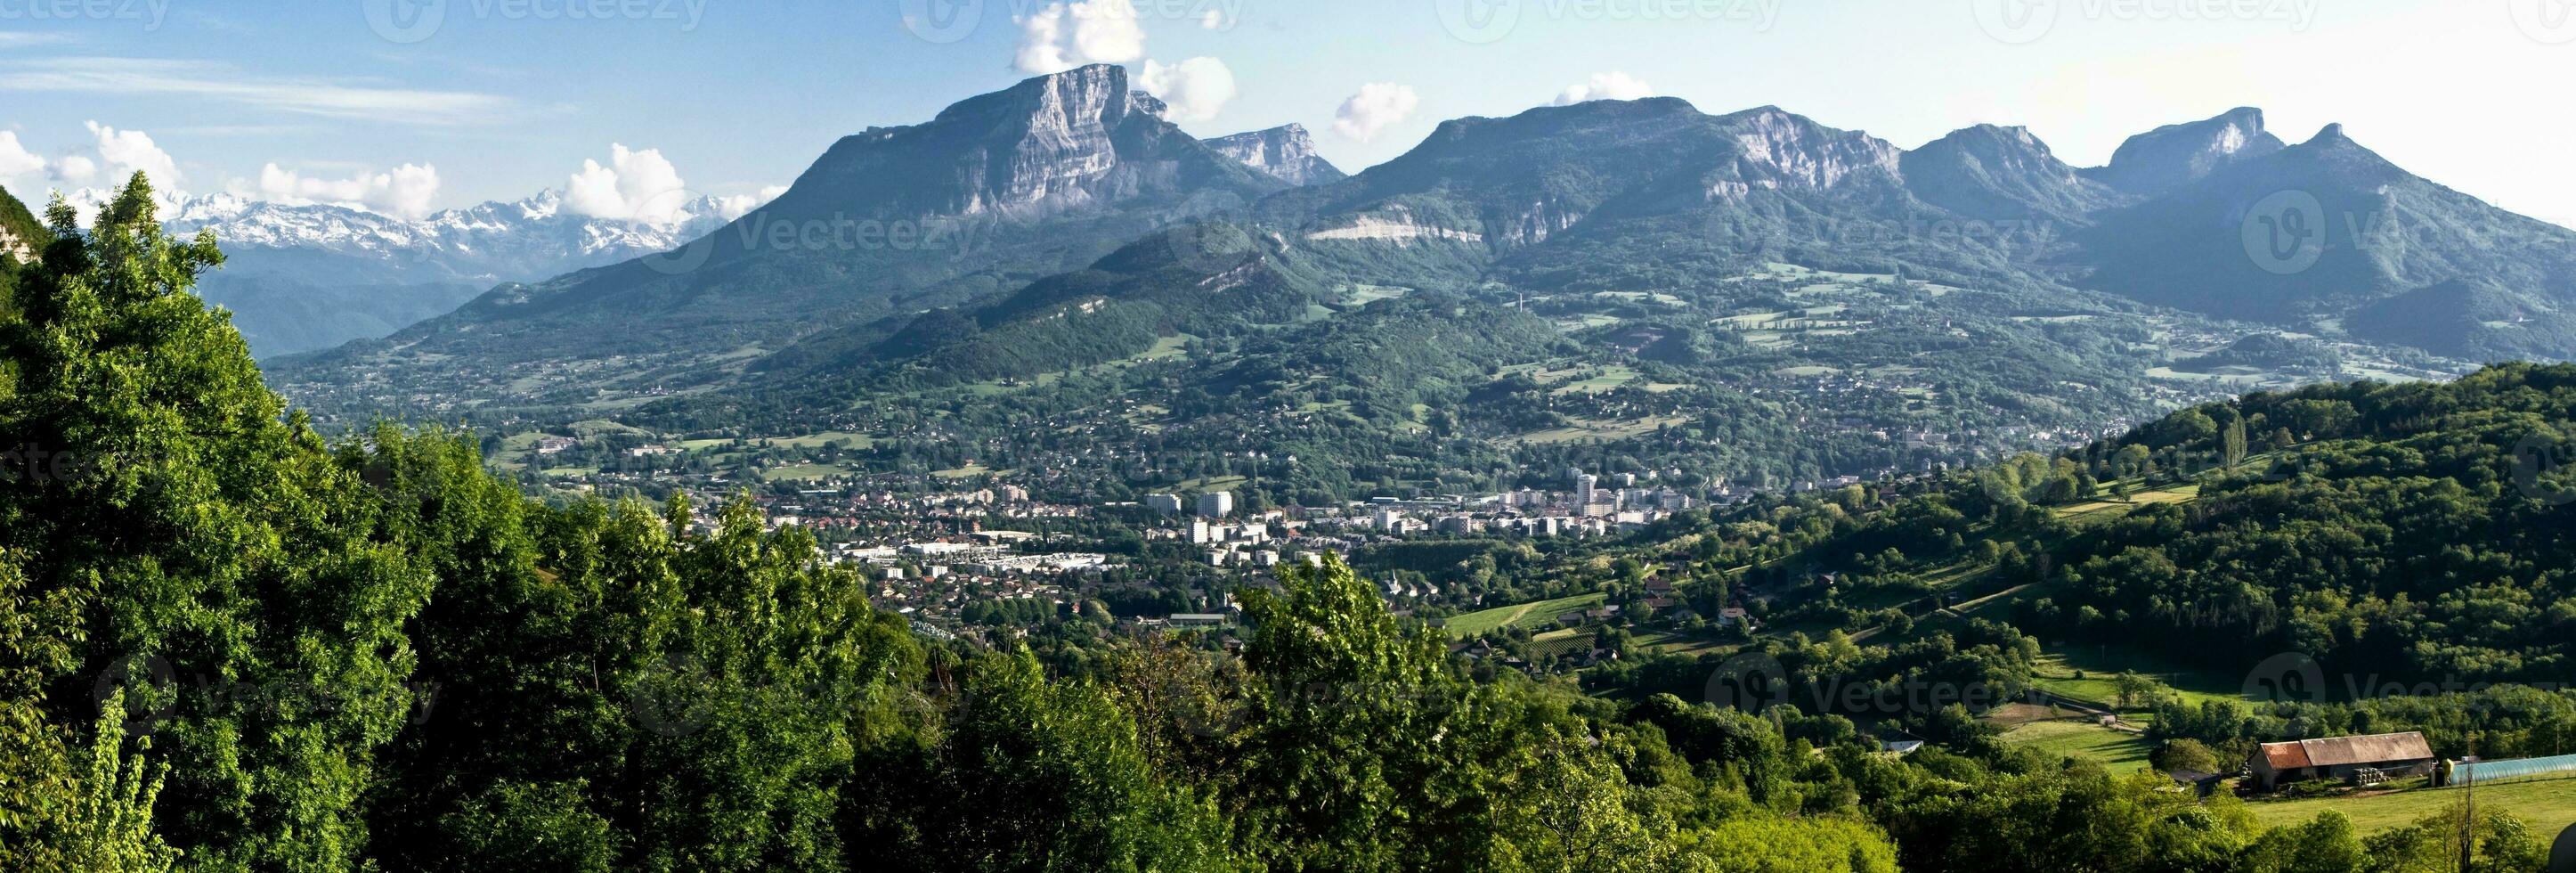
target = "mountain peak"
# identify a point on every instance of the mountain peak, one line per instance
(1073, 141)
(1993, 172)
(1149, 104)
(1286, 151)
(1991, 139)
(2176, 154)
(1098, 92)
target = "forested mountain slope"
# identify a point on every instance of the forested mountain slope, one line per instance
(20, 232)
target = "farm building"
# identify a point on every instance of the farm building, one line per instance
(2386, 755)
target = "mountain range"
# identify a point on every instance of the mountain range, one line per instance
(305, 277)
(970, 247)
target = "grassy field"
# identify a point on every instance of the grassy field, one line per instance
(1671, 643)
(1609, 378)
(1561, 642)
(816, 440)
(2115, 508)
(1216, 483)
(2056, 672)
(1526, 615)
(1363, 295)
(1584, 428)
(2549, 806)
(2120, 751)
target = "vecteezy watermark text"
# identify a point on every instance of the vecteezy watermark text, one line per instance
(1486, 21)
(1754, 682)
(837, 233)
(410, 21)
(150, 13)
(2026, 21)
(947, 21)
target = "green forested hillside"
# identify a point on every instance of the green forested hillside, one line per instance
(375, 655)
(20, 233)
(18, 221)
(2413, 532)
(17, 228)
(2354, 558)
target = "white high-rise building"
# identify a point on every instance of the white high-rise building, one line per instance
(1216, 504)
(1583, 488)
(1164, 504)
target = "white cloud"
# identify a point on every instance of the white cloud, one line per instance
(1064, 36)
(1376, 107)
(15, 159)
(740, 205)
(350, 99)
(76, 170)
(406, 191)
(633, 186)
(125, 152)
(1612, 85)
(1215, 20)
(1196, 89)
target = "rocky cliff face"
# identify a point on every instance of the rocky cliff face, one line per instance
(1071, 142)
(2178, 154)
(1781, 149)
(1287, 152)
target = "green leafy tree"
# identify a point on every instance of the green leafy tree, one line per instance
(211, 543)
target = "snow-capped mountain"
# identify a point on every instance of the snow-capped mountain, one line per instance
(525, 240)
(305, 277)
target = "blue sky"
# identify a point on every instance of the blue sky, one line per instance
(505, 97)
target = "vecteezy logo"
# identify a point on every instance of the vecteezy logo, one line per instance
(154, 673)
(2286, 678)
(672, 700)
(2538, 457)
(942, 21)
(1750, 682)
(1205, 248)
(1204, 245)
(1479, 21)
(2019, 22)
(406, 21)
(685, 259)
(2285, 233)
(2547, 21)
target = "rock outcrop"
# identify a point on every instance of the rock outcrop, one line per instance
(1287, 152)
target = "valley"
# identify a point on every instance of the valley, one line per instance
(1057, 482)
